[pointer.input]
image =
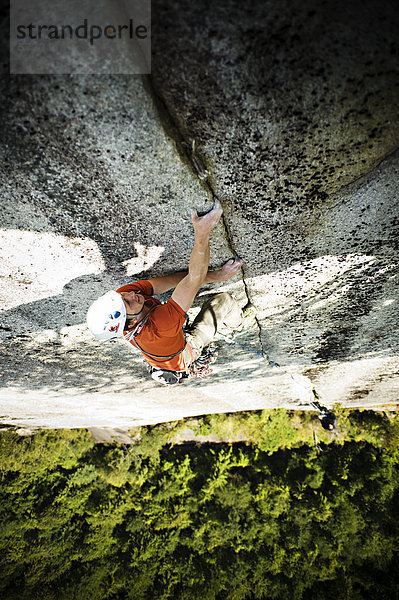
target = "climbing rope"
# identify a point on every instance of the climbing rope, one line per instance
(327, 417)
(264, 356)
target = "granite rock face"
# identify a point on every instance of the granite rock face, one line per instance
(94, 195)
(293, 111)
(289, 101)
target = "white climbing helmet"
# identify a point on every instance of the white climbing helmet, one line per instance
(106, 316)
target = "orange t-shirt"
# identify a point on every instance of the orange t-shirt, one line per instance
(162, 334)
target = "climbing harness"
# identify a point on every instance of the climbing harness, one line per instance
(198, 368)
(134, 342)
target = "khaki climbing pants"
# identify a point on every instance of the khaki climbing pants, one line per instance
(220, 310)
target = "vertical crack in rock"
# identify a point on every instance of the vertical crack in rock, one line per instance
(202, 174)
(186, 147)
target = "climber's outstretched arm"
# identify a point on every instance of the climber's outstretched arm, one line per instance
(166, 282)
(186, 290)
(169, 282)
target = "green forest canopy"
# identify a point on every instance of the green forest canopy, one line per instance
(273, 518)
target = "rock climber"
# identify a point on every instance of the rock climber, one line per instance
(156, 329)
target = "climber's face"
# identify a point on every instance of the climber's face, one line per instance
(133, 301)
